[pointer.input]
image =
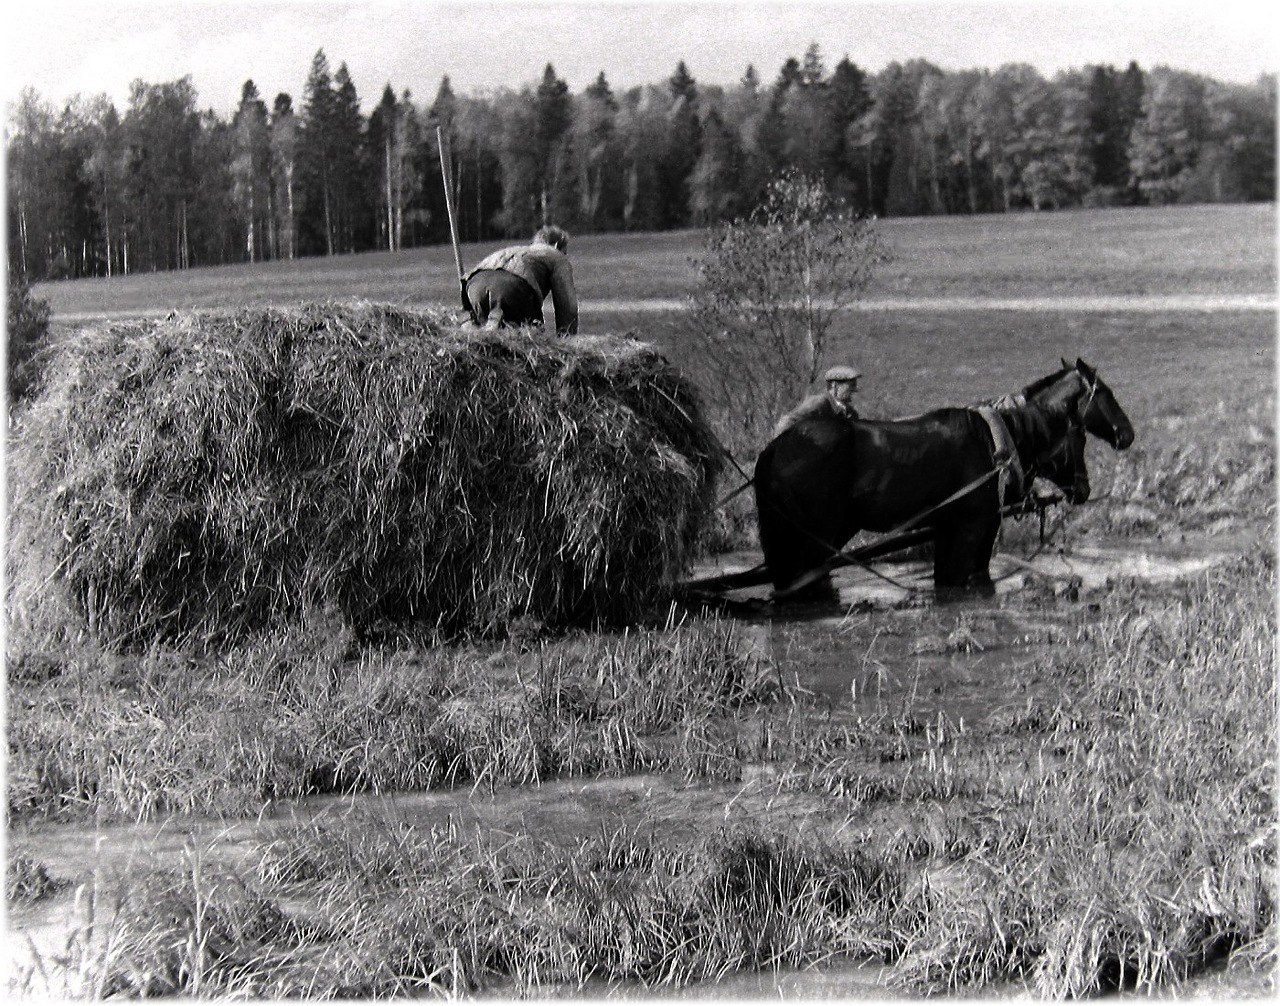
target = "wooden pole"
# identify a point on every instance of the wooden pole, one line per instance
(453, 224)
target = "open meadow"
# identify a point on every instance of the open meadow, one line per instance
(1064, 790)
(1205, 250)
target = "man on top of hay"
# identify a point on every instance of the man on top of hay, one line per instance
(509, 286)
(836, 401)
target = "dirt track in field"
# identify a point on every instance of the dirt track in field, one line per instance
(1126, 303)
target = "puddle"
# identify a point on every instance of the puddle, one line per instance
(831, 980)
(883, 644)
(886, 585)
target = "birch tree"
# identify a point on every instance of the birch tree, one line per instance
(251, 166)
(284, 163)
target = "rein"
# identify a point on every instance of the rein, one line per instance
(1005, 463)
(838, 554)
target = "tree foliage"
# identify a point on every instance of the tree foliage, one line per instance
(26, 331)
(769, 286)
(162, 184)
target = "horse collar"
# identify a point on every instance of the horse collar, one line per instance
(1004, 452)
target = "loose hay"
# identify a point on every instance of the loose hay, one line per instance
(206, 475)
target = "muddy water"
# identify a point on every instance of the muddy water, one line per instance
(895, 584)
(882, 646)
(831, 980)
(884, 643)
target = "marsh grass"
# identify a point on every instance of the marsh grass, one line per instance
(1123, 838)
(298, 712)
(1147, 844)
(27, 879)
(389, 910)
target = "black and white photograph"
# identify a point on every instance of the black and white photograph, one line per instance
(640, 500)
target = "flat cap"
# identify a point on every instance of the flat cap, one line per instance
(842, 373)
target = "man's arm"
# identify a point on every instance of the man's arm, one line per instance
(564, 297)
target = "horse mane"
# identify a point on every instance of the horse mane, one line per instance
(1037, 386)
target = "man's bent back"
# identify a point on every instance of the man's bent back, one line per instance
(509, 286)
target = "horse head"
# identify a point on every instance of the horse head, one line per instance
(1101, 413)
(1094, 402)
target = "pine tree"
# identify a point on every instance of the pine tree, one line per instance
(443, 114)
(552, 111)
(812, 69)
(682, 84)
(350, 170)
(380, 140)
(846, 99)
(681, 148)
(316, 155)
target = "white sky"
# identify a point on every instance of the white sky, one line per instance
(90, 46)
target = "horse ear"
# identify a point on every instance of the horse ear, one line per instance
(1084, 368)
(1065, 364)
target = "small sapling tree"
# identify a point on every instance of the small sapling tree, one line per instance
(769, 287)
(26, 332)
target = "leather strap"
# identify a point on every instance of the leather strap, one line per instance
(1004, 454)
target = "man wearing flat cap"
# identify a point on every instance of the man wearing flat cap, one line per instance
(836, 402)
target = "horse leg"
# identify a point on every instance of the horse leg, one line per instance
(962, 559)
(795, 542)
(982, 538)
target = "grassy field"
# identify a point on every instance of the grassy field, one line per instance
(1055, 791)
(1205, 249)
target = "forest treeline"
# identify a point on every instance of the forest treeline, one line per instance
(95, 191)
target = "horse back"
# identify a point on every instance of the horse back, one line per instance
(883, 471)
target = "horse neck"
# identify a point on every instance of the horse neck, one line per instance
(1055, 390)
(1034, 429)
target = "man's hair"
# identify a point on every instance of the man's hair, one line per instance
(556, 237)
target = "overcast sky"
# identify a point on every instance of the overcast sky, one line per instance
(61, 48)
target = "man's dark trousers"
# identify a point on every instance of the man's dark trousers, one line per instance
(504, 297)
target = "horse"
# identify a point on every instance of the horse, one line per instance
(823, 480)
(1101, 414)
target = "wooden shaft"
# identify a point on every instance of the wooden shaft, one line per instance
(448, 201)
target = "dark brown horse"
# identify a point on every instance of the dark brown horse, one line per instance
(1100, 413)
(824, 480)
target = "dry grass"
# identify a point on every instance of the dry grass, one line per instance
(1125, 839)
(26, 879)
(205, 476)
(297, 712)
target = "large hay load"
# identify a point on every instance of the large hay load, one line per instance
(207, 475)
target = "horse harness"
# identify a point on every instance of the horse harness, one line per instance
(1005, 463)
(1004, 455)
